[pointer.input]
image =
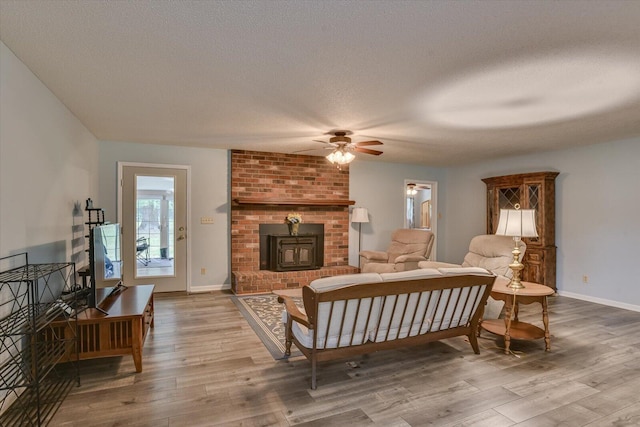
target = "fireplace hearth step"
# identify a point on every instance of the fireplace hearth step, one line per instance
(264, 281)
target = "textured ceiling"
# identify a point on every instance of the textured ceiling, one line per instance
(439, 82)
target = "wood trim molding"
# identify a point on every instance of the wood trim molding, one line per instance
(293, 202)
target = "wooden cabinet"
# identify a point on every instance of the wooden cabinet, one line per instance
(529, 191)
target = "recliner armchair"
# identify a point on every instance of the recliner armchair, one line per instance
(408, 247)
(493, 253)
(488, 251)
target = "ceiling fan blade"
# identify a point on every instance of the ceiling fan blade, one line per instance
(306, 151)
(367, 151)
(364, 143)
(330, 144)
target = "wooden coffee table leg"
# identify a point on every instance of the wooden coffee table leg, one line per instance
(545, 320)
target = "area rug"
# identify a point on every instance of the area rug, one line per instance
(264, 315)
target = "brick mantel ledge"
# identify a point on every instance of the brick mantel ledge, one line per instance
(262, 281)
(293, 202)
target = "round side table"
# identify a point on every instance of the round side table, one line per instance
(510, 326)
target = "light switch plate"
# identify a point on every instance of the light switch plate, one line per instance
(206, 220)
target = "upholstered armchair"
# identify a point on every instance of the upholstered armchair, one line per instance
(408, 247)
(493, 253)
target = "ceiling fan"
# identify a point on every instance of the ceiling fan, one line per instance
(412, 188)
(343, 147)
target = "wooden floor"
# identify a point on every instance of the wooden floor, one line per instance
(204, 366)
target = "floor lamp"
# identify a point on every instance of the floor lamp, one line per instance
(359, 215)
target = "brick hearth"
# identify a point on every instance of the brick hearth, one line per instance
(286, 178)
(265, 281)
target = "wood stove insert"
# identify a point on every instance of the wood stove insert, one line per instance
(280, 251)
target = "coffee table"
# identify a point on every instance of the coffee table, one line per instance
(510, 326)
(122, 331)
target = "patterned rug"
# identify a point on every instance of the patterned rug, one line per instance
(264, 315)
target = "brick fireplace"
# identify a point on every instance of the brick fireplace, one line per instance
(265, 187)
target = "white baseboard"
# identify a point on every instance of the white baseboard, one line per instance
(209, 288)
(602, 301)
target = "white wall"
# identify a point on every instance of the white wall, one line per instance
(597, 226)
(209, 197)
(379, 187)
(47, 162)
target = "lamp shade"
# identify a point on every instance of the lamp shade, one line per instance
(360, 215)
(517, 223)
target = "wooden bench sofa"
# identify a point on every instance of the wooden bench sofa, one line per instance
(361, 313)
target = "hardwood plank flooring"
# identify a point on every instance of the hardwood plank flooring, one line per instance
(204, 366)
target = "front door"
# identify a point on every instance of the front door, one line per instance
(153, 216)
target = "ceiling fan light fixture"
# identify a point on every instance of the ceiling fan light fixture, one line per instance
(340, 157)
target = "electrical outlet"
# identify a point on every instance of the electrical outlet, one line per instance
(585, 279)
(206, 220)
(203, 271)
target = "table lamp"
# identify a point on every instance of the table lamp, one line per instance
(359, 215)
(517, 223)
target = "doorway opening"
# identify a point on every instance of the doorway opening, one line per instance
(420, 207)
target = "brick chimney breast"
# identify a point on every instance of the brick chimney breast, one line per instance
(285, 178)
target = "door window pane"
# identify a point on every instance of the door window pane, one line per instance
(155, 221)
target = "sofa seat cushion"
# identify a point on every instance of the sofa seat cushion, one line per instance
(396, 322)
(353, 330)
(340, 323)
(409, 315)
(454, 315)
(405, 315)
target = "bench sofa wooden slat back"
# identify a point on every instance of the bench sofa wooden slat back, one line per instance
(343, 320)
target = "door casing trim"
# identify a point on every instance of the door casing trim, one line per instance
(122, 165)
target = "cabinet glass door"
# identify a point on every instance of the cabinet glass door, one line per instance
(533, 202)
(508, 198)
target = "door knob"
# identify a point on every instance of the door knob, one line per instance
(181, 237)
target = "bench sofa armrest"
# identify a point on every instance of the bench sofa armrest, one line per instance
(293, 311)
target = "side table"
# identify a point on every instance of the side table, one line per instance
(510, 326)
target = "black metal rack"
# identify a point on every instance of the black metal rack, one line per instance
(96, 217)
(32, 384)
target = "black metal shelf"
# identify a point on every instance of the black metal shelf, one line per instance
(15, 372)
(31, 384)
(32, 272)
(23, 412)
(22, 321)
